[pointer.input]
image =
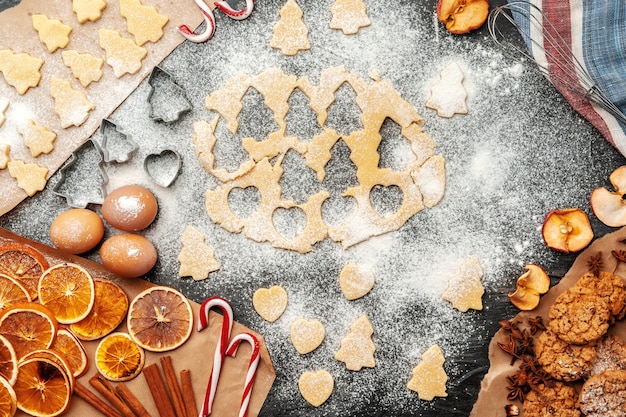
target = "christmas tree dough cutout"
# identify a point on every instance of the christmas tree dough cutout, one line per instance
(39, 139)
(145, 23)
(290, 33)
(70, 105)
(86, 68)
(88, 9)
(447, 95)
(349, 16)
(465, 289)
(52, 32)
(429, 378)
(197, 259)
(30, 177)
(357, 348)
(20, 70)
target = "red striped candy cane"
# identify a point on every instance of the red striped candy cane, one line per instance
(209, 30)
(220, 349)
(235, 14)
(254, 363)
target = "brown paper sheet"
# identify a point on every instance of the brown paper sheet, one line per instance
(17, 33)
(492, 397)
(196, 354)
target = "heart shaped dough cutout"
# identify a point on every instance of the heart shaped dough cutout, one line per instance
(316, 387)
(307, 335)
(163, 167)
(356, 280)
(270, 303)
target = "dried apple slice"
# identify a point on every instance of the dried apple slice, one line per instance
(462, 16)
(567, 230)
(610, 206)
(530, 286)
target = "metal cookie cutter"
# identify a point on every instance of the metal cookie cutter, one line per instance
(116, 145)
(163, 167)
(77, 181)
(168, 101)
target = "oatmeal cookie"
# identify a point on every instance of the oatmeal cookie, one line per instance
(610, 355)
(562, 360)
(610, 287)
(557, 401)
(579, 316)
(602, 395)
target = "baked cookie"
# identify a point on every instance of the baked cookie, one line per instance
(610, 355)
(579, 316)
(610, 287)
(562, 360)
(557, 401)
(602, 395)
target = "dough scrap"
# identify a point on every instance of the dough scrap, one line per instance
(357, 348)
(4, 105)
(290, 33)
(356, 281)
(306, 335)
(349, 16)
(20, 70)
(52, 32)
(429, 377)
(70, 105)
(377, 100)
(30, 177)
(4, 155)
(86, 68)
(145, 23)
(465, 289)
(88, 9)
(316, 387)
(39, 139)
(196, 258)
(270, 303)
(448, 95)
(122, 54)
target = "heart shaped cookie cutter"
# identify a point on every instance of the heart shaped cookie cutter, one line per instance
(163, 167)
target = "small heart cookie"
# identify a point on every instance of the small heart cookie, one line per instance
(356, 280)
(316, 387)
(306, 335)
(270, 303)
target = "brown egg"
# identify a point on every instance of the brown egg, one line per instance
(77, 230)
(128, 255)
(130, 208)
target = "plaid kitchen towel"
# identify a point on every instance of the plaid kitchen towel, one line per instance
(595, 33)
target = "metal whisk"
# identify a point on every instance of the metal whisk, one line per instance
(567, 71)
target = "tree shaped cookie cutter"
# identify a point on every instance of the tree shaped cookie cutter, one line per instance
(115, 144)
(168, 101)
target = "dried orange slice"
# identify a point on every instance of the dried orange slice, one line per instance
(119, 358)
(67, 289)
(28, 327)
(54, 356)
(12, 292)
(160, 319)
(8, 361)
(109, 309)
(8, 399)
(72, 350)
(43, 387)
(24, 264)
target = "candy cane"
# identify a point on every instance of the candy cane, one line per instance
(220, 348)
(235, 14)
(209, 30)
(254, 363)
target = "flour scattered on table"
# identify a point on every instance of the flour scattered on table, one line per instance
(86, 68)
(316, 387)
(429, 378)
(70, 105)
(39, 139)
(349, 16)
(270, 303)
(465, 289)
(52, 32)
(448, 95)
(197, 259)
(357, 348)
(21, 70)
(290, 33)
(30, 177)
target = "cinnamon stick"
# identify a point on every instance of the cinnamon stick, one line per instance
(158, 391)
(131, 400)
(172, 385)
(188, 395)
(91, 398)
(105, 388)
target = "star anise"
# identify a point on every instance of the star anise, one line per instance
(512, 327)
(517, 385)
(510, 347)
(536, 324)
(595, 263)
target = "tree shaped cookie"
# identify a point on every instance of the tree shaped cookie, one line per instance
(88, 9)
(123, 54)
(357, 348)
(145, 23)
(52, 32)
(465, 289)
(86, 68)
(70, 105)
(447, 95)
(20, 69)
(349, 16)
(197, 259)
(429, 378)
(39, 139)
(30, 177)
(290, 33)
